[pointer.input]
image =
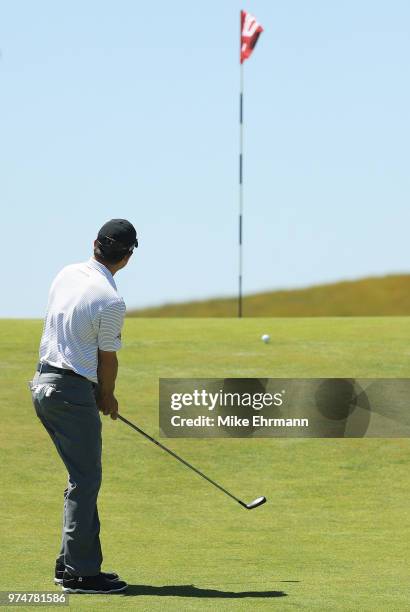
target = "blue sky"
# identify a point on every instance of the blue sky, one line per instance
(130, 109)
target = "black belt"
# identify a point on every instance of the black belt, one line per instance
(46, 368)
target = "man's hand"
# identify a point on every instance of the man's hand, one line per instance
(108, 404)
(107, 373)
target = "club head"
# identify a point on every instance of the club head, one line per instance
(256, 502)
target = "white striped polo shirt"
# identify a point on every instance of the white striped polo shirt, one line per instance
(84, 314)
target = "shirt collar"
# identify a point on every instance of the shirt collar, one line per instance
(93, 263)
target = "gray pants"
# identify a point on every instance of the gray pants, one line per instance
(67, 408)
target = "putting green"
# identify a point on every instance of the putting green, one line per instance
(334, 534)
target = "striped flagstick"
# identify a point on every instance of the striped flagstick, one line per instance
(240, 190)
(250, 31)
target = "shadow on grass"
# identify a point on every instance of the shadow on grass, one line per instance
(189, 590)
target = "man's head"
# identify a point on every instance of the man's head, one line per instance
(115, 243)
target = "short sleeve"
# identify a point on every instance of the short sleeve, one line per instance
(111, 320)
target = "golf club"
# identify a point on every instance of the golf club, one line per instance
(254, 504)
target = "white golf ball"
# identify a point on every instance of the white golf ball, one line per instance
(265, 338)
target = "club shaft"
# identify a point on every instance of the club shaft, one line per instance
(170, 452)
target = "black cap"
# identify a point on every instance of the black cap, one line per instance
(117, 235)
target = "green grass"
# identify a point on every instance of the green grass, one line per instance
(334, 534)
(385, 296)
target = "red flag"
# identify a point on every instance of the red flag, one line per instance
(250, 32)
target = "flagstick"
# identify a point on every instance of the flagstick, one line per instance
(250, 31)
(240, 190)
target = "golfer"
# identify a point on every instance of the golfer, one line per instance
(75, 378)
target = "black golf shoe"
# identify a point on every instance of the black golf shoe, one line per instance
(91, 584)
(59, 573)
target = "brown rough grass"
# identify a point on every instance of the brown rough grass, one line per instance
(381, 296)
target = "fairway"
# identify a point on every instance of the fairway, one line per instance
(334, 534)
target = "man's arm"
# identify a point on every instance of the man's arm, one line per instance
(109, 342)
(107, 374)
